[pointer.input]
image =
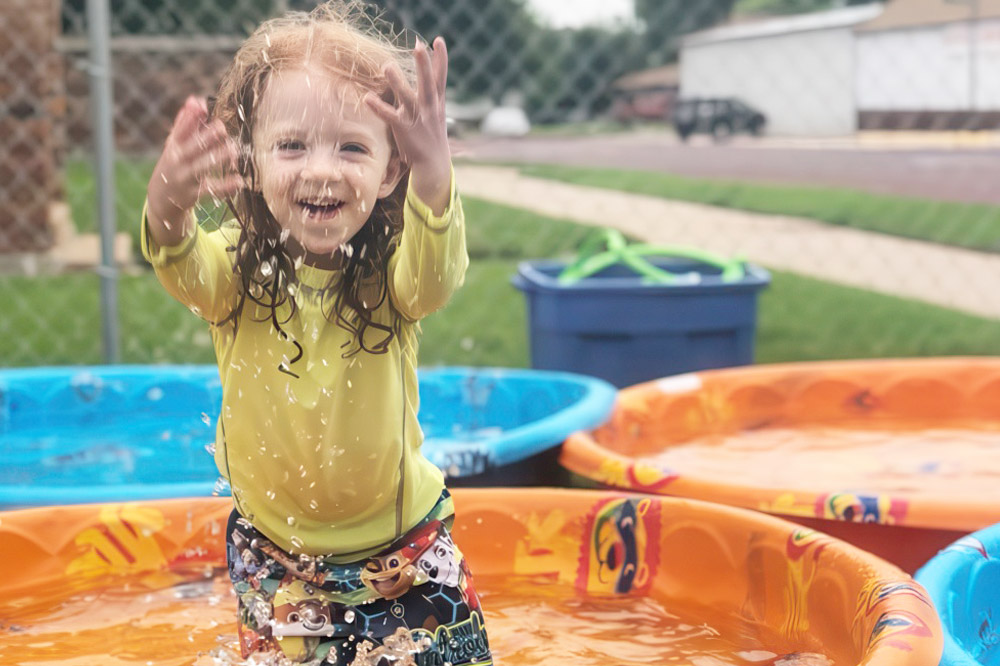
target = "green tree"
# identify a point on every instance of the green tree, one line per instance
(487, 39)
(174, 17)
(664, 22)
(569, 73)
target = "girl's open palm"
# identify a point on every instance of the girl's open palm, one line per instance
(417, 121)
(198, 158)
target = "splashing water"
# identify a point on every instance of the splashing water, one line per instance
(221, 486)
(397, 649)
(530, 622)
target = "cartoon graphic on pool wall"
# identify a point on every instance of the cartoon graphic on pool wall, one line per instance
(640, 476)
(891, 627)
(620, 555)
(881, 509)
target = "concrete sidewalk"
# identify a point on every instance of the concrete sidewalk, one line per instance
(950, 277)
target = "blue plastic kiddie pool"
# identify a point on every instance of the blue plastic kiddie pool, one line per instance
(963, 581)
(494, 426)
(114, 433)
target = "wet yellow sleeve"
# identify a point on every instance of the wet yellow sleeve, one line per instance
(430, 262)
(198, 272)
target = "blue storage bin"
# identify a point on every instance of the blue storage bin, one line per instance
(626, 329)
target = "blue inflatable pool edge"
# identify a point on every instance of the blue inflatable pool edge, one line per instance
(585, 403)
(963, 581)
(78, 434)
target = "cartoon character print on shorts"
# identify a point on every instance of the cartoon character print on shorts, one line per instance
(430, 556)
(312, 610)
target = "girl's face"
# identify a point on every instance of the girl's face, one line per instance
(323, 160)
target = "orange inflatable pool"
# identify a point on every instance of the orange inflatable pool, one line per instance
(900, 457)
(567, 576)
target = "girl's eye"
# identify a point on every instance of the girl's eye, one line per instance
(354, 148)
(291, 144)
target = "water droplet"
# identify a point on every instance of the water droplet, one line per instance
(210, 447)
(291, 520)
(221, 485)
(154, 394)
(206, 419)
(266, 269)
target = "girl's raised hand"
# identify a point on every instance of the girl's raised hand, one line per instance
(418, 122)
(198, 158)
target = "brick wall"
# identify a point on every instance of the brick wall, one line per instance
(152, 78)
(32, 113)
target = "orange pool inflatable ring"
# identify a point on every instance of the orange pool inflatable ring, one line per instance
(899, 457)
(797, 590)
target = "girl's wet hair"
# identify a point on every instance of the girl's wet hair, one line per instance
(348, 39)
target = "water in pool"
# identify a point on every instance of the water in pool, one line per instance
(962, 462)
(107, 453)
(180, 620)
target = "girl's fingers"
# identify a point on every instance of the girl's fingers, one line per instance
(426, 87)
(404, 93)
(389, 114)
(205, 139)
(441, 65)
(222, 186)
(210, 135)
(190, 117)
(219, 160)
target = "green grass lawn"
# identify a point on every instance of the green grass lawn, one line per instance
(55, 320)
(969, 225)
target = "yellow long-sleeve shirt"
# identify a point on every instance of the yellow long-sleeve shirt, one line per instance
(329, 462)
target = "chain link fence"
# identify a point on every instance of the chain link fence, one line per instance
(850, 149)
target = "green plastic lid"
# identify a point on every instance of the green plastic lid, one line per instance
(616, 250)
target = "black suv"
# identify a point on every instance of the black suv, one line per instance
(719, 117)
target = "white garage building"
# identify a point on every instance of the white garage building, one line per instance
(922, 64)
(930, 64)
(798, 70)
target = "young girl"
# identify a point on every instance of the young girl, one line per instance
(347, 230)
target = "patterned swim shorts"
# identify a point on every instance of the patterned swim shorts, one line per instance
(415, 597)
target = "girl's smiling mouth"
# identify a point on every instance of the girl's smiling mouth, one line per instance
(321, 210)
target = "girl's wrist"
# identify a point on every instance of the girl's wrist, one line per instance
(432, 183)
(167, 221)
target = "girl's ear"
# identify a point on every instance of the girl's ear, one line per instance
(393, 172)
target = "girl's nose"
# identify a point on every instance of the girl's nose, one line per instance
(323, 167)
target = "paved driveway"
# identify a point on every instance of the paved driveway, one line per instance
(946, 167)
(951, 277)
